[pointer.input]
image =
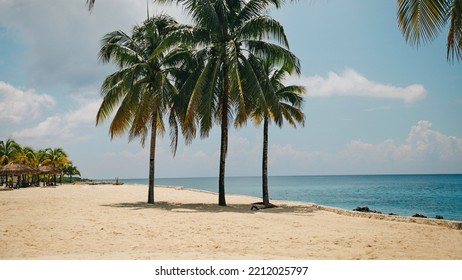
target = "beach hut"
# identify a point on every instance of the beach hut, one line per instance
(48, 170)
(12, 169)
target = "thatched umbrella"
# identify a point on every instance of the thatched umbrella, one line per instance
(48, 170)
(16, 169)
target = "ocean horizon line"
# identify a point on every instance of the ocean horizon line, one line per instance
(310, 175)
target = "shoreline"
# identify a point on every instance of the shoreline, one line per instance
(453, 224)
(381, 193)
(114, 222)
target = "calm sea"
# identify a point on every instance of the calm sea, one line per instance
(406, 195)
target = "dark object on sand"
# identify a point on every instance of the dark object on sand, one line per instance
(261, 205)
(439, 217)
(419, 216)
(366, 210)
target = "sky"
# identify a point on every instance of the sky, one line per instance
(374, 104)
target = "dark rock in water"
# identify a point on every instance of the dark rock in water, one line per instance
(439, 217)
(366, 210)
(419, 216)
(362, 209)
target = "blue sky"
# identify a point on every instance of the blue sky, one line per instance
(374, 104)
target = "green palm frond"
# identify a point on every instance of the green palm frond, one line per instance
(454, 41)
(202, 102)
(421, 21)
(255, 8)
(276, 54)
(263, 28)
(202, 12)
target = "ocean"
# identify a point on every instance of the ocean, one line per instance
(406, 195)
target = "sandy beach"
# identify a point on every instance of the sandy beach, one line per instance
(114, 222)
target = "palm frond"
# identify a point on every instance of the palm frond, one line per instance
(254, 8)
(421, 21)
(454, 45)
(276, 54)
(263, 28)
(202, 102)
(202, 12)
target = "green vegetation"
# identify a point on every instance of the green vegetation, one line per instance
(143, 86)
(423, 20)
(55, 158)
(281, 103)
(226, 67)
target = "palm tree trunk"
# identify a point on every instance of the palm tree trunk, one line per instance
(265, 164)
(224, 145)
(152, 158)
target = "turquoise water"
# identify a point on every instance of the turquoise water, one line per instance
(405, 195)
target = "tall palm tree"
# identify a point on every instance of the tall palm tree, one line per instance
(141, 88)
(421, 21)
(227, 31)
(281, 103)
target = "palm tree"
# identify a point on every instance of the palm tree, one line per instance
(70, 169)
(33, 158)
(282, 102)
(423, 20)
(56, 158)
(141, 88)
(8, 151)
(227, 31)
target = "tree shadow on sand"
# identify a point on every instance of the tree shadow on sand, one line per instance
(213, 208)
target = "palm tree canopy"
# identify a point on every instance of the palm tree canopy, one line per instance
(8, 151)
(281, 102)
(421, 21)
(56, 157)
(227, 31)
(142, 88)
(70, 169)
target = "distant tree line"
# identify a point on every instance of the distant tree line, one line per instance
(56, 158)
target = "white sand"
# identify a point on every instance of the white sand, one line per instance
(114, 222)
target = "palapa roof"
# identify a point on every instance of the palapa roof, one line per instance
(17, 169)
(48, 170)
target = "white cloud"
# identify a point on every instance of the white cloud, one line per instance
(424, 150)
(64, 126)
(63, 38)
(17, 104)
(351, 83)
(423, 143)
